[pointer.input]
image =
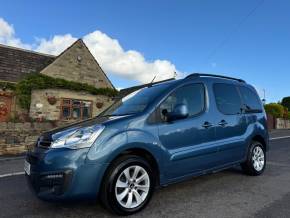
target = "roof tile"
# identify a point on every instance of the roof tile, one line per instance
(15, 63)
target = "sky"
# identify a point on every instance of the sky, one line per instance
(135, 40)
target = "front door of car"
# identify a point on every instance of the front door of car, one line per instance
(189, 142)
(231, 123)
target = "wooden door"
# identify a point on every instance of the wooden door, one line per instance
(5, 107)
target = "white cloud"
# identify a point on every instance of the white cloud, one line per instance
(7, 35)
(6, 30)
(112, 57)
(56, 44)
(130, 64)
(108, 52)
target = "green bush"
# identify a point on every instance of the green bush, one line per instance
(276, 110)
(286, 102)
(286, 112)
(40, 81)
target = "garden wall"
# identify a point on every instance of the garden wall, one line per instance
(15, 138)
(282, 123)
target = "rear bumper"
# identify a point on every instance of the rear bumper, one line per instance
(63, 174)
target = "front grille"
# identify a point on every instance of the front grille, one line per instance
(55, 183)
(31, 159)
(43, 142)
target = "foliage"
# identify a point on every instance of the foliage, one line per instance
(286, 102)
(276, 110)
(286, 112)
(40, 81)
(7, 85)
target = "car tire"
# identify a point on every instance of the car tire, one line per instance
(128, 185)
(256, 160)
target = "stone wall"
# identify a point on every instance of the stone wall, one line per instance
(52, 112)
(282, 123)
(15, 138)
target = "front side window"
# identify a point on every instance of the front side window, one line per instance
(227, 98)
(193, 96)
(75, 109)
(250, 99)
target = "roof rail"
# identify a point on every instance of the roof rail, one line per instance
(196, 75)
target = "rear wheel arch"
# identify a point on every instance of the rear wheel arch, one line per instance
(255, 138)
(254, 157)
(259, 138)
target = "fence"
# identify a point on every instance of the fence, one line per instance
(271, 122)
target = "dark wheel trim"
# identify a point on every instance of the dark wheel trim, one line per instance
(250, 166)
(108, 190)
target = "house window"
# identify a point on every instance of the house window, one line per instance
(75, 109)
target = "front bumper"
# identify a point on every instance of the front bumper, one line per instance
(63, 174)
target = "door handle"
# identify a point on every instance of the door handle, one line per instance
(223, 123)
(207, 125)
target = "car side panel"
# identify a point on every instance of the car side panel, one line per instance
(107, 149)
(257, 126)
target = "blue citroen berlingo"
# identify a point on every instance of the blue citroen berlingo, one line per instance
(161, 134)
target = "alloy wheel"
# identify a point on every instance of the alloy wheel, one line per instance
(132, 187)
(258, 158)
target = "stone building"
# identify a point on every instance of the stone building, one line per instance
(75, 64)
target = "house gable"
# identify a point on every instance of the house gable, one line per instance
(78, 64)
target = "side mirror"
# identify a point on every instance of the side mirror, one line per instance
(179, 112)
(246, 109)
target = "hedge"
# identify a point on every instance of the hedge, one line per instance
(7, 85)
(276, 110)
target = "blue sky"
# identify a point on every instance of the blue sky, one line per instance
(187, 36)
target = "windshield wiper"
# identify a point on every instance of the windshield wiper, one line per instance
(116, 115)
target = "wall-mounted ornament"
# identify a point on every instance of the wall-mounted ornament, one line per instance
(99, 104)
(38, 105)
(51, 100)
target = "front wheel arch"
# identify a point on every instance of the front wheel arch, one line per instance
(107, 195)
(141, 152)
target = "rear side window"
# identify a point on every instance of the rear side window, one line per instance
(227, 98)
(250, 100)
(193, 96)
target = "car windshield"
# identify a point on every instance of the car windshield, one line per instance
(135, 102)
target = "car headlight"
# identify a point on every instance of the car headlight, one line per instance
(78, 138)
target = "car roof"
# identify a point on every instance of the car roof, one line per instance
(205, 78)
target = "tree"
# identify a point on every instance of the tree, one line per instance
(286, 113)
(276, 110)
(286, 102)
